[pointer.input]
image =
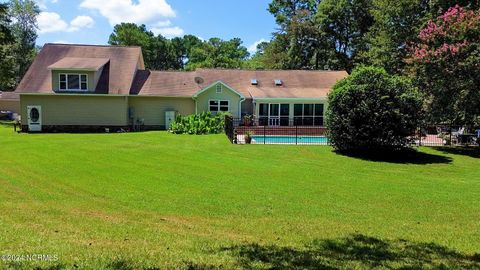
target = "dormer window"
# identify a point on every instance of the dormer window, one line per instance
(219, 88)
(254, 82)
(73, 82)
(278, 82)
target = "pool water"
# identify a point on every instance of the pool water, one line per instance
(260, 139)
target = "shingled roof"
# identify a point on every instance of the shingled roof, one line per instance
(80, 63)
(124, 74)
(295, 83)
(123, 63)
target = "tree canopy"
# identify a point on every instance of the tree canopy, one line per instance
(445, 65)
(187, 52)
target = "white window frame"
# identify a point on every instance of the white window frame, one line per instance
(219, 106)
(79, 81)
(219, 88)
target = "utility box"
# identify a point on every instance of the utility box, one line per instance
(169, 118)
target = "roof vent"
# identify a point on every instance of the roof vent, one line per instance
(254, 82)
(198, 80)
(278, 82)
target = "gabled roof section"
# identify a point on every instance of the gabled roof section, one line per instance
(215, 83)
(123, 63)
(295, 83)
(79, 63)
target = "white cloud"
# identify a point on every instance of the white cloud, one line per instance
(163, 24)
(253, 48)
(81, 22)
(49, 22)
(42, 4)
(168, 32)
(143, 11)
(62, 42)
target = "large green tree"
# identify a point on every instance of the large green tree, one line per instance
(285, 11)
(315, 34)
(24, 28)
(7, 58)
(159, 52)
(296, 43)
(396, 24)
(343, 23)
(217, 53)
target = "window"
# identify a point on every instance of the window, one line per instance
(219, 88)
(73, 82)
(213, 105)
(224, 105)
(219, 105)
(308, 114)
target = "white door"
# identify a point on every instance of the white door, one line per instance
(274, 115)
(169, 118)
(34, 118)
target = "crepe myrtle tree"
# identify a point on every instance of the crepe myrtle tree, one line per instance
(446, 66)
(372, 110)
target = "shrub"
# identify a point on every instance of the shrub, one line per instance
(199, 124)
(372, 110)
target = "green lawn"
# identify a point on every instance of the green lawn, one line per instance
(157, 200)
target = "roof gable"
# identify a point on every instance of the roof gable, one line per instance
(123, 63)
(214, 84)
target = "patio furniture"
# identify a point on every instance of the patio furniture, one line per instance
(467, 139)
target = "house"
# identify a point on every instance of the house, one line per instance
(70, 87)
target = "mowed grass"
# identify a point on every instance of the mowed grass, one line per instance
(157, 200)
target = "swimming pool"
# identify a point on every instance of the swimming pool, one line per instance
(260, 139)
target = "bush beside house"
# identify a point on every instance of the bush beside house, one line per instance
(199, 124)
(372, 110)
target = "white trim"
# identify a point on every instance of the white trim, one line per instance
(213, 84)
(79, 82)
(74, 69)
(288, 99)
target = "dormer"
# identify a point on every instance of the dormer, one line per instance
(72, 74)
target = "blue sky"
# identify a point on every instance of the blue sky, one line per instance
(91, 21)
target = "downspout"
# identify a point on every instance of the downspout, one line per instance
(242, 99)
(127, 123)
(195, 99)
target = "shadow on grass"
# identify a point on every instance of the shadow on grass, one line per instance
(464, 151)
(410, 156)
(354, 252)
(6, 123)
